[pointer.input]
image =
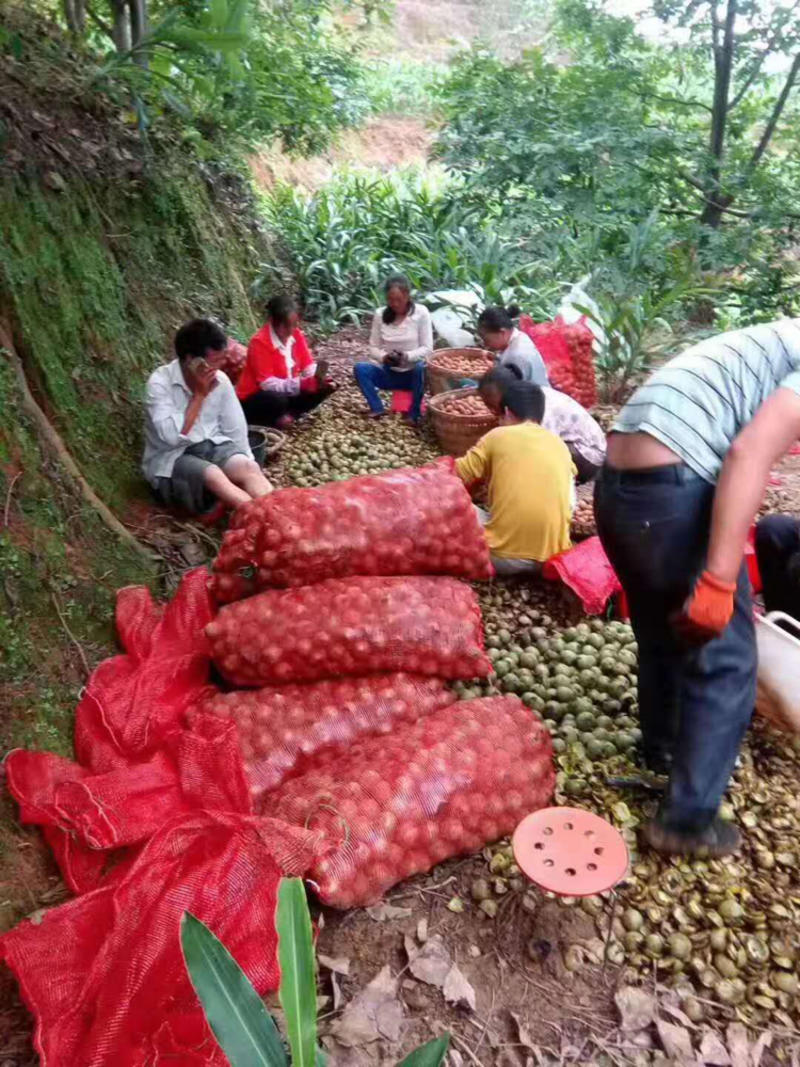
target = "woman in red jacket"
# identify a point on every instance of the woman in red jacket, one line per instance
(281, 380)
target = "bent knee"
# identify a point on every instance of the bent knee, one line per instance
(214, 475)
(248, 467)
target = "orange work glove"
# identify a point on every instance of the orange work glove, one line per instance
(707, 611)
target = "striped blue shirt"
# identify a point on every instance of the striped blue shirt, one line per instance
(697, 403)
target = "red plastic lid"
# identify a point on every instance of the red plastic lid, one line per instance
(570, 851)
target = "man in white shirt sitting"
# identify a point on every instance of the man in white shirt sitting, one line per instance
(196, 447)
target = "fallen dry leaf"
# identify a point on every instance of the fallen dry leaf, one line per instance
(431, 963)
(457, 990)
(677, 1014)
(339, 965)
(738, 1045)
(713, 1051)
(675, 1041)
(523, 1033)
(637, 1009)
(763, 1042)
(382, 912)
(373, 1014)
(338, 996)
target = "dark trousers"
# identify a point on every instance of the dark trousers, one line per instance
(694, 703)
(371, 378)
(265, 409)
(778, 554)
(585, 468)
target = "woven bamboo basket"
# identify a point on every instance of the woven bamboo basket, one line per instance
(458, 433)
(441, 380)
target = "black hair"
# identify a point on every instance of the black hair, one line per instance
(280, 308)
(397, 281)
(502, 376)
(498, 318)
(525, 400)
(193, 338)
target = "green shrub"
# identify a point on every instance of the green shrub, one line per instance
(344, 240)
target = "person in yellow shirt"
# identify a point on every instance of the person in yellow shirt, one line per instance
(530, 475)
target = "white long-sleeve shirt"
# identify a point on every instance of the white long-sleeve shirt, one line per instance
(412, 335)
(220, 419)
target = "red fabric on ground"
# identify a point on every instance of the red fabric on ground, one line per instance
(104, 973)
(133, 701)
(201, 769)
(586, 570)
(130, 706)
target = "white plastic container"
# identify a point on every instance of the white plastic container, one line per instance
(778, 692)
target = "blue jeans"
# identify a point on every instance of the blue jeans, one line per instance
(778, 554)
(694, 703)
(371, 378)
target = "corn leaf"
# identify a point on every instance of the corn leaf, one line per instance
(298, 990)
(243, 1027)
(430, 1055)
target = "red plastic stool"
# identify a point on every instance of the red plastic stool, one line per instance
(402, 399)
(573, 853)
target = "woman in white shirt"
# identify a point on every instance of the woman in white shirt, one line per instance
(400, 341)
(512, 347)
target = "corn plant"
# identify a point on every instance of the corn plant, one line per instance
(239, 1020)
(349, 236)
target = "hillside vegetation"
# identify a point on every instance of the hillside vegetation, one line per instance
(107, 243)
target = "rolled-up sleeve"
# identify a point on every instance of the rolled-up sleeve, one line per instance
(164, 418)
(232, 422)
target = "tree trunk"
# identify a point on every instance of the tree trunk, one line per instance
(121, 28)
(777, 111)
(723, 67)
(75, 14)
(138, 9)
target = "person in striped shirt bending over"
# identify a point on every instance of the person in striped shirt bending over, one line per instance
(687, 463)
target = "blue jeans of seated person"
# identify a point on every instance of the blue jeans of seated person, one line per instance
(777, 542)
(371, 378)
(694, 703)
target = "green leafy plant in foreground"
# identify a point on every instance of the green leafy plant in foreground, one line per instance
(243, 1027)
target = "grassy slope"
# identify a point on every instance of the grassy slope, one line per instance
(95, 276)
(94, 284)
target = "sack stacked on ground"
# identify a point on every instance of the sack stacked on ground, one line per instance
(351, 626)
(568, 353)
(392, 807)
(399, 522)
(282, 730)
